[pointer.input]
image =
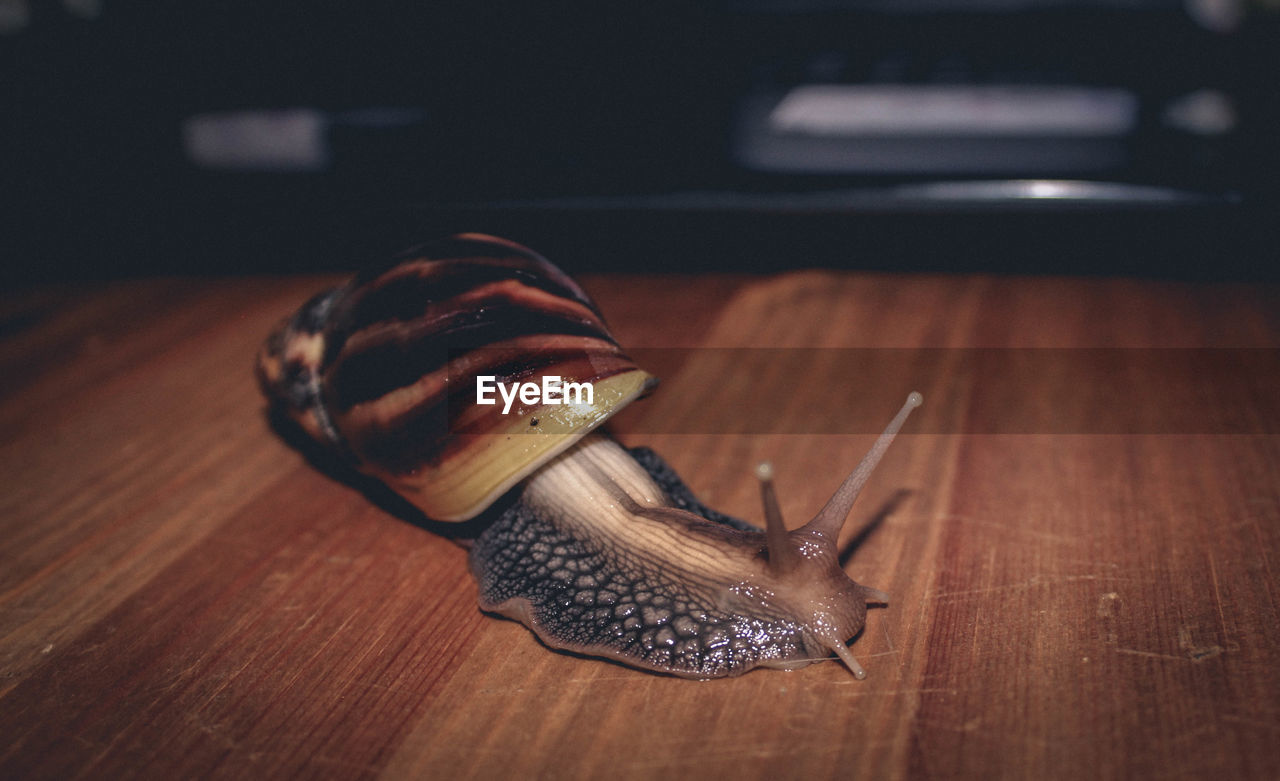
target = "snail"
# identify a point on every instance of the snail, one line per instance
(599, 550)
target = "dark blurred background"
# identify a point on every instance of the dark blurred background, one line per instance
(1045, 136)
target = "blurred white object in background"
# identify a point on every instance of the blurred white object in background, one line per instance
(1220, 16)
(849, 109)
(276, 140)
(1205, 112)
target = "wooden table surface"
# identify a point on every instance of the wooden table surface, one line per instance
(1080, 545)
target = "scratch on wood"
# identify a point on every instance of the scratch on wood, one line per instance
(1150, 654)
(1106, 604)
(1106, 612)
(1196, 653)
(1217, 602)
(888, 640)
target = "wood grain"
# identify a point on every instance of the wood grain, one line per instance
(183, 594)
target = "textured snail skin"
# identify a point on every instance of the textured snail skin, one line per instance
(599, 550)
(608, 553)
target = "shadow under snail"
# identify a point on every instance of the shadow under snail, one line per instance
(600, 550)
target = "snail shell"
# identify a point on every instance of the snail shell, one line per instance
(384, 369)
(602, 551)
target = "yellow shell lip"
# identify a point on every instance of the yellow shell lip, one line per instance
(488, 465)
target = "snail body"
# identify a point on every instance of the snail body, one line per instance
(599, 550)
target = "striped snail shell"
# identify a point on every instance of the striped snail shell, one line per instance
(385, 369)
(599, 550)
